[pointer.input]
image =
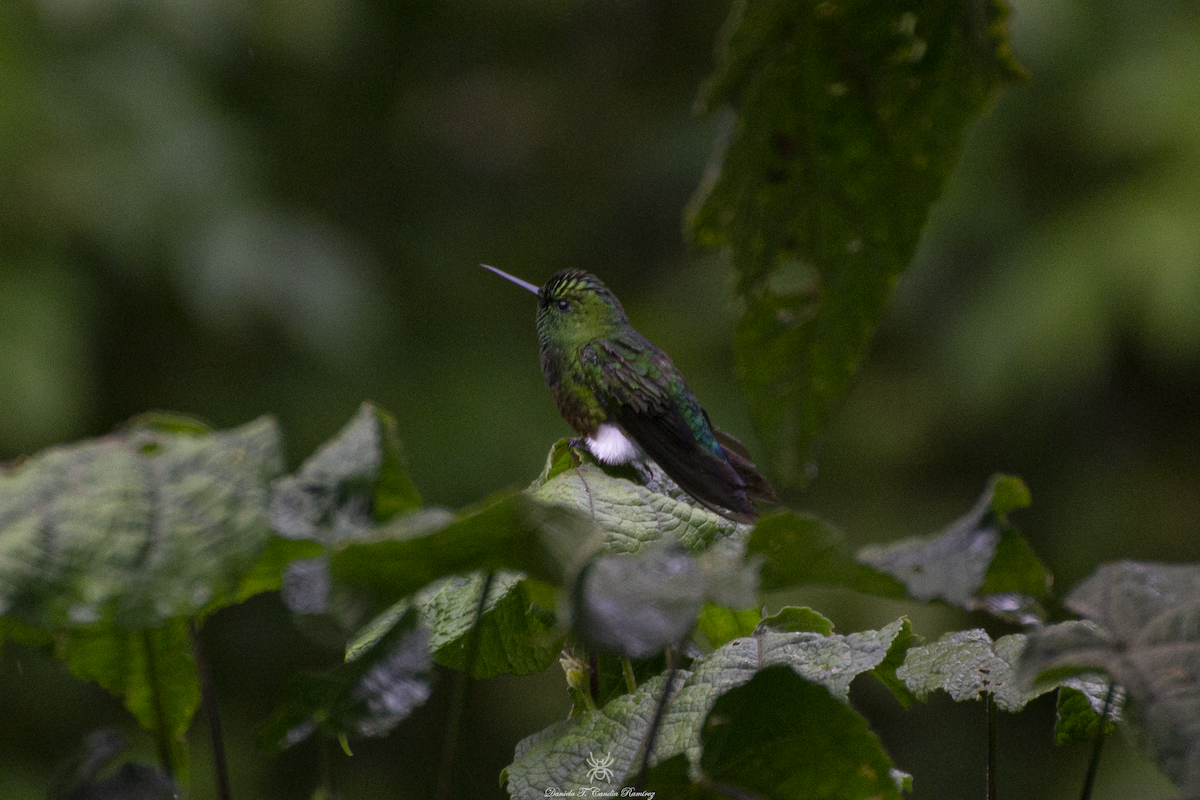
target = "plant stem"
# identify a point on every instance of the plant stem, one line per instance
(1094, 763)
(160, 714)
(208, 700)
(594, 678)
(991, 756)
(458, 709)
(659, 711)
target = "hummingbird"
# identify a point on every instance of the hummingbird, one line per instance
(629, 402)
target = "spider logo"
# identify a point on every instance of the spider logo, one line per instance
(600, 767)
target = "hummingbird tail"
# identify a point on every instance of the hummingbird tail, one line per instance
(757, 487)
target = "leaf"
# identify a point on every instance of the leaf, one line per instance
(1142, 628)
(137, 527)
(75, 779)
(795, 619)
(781, 736)
(638, 605)
(368, 695)
(152, 670)
(847, 120)
(968, 664)
(352, 482)
(518, 632)
(632, 514)
(1078, 719)
(506, 531)
(800, 548)
(720, 624)
(558, 756)
(978, 562)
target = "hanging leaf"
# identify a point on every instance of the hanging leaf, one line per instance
(847, 120)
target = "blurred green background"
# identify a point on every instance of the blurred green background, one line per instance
(233, 208)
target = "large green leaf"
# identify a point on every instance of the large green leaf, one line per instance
(801, 548)
(112, 544)
(510, 530)
(848, 118)
(979, 561)
(632, 513)
(780, 736)
(1141, 628)
(968, 665)
(559, 756)
(135, 528)
(152, 670)
(518, 631)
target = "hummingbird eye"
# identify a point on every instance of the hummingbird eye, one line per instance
(563, 305)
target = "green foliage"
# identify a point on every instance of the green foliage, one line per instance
(378, 686)
(631, 513)
(978, 562)
(558, 756)
(848, 119)
(719, 624)
(1142, 629)
(135, 528)
(780, 736)
(640, 605)
(518, 633)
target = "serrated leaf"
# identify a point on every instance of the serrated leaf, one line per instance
(509, 530)
(848, 120)
(968, 664)
(638, 605)
(559, 755)
(348, 485)
(366, 696)
(137, 527)
(518, 634)
(152, 670)
(801, 548)
(978, 562)
(633, 514)
(1142, 629)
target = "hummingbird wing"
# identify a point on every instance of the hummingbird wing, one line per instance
(647, 396)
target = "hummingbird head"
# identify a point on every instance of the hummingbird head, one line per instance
(574, 308)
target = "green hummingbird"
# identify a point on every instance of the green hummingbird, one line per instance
(628, 402)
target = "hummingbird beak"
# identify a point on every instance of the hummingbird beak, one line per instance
(517, 281)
